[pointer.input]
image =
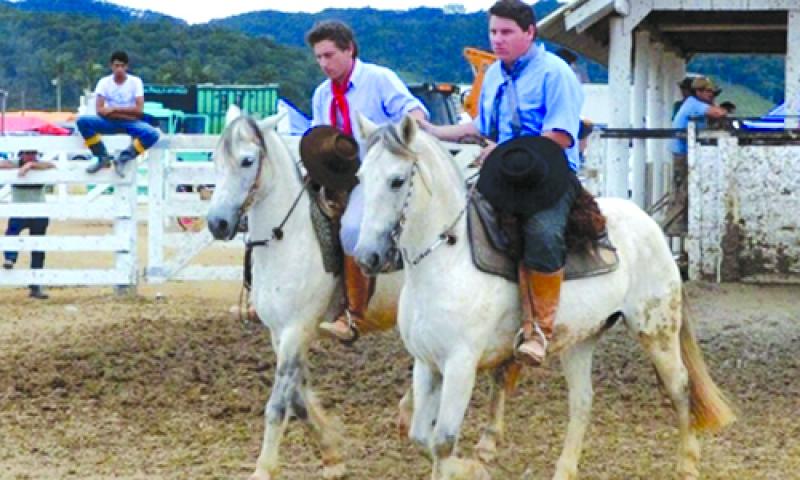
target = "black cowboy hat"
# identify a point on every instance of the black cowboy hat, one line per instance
(525, 175)
(330, 157)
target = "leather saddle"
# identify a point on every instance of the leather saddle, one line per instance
(496, 240)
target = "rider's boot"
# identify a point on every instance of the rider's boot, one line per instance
(357, 288)
(540, 293)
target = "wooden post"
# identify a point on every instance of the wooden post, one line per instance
(793, 69)
(156, 172)
(653, 120)
(619, 82)
(640, 80)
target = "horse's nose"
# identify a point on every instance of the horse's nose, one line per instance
(219, 227)
(369, 262)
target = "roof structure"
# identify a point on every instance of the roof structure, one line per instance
(687, 26)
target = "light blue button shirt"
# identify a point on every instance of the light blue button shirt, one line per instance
(692, 107)
(374, 91)
(550, 98)
(377, 93)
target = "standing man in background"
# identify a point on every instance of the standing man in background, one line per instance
(377, 93)
(120, 107)
(26, 161)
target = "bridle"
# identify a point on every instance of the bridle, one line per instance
(277, 232)
(446, 237)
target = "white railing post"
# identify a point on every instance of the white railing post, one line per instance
(157, 166)
(125, 227)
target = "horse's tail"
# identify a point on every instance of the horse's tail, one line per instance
(709, 407)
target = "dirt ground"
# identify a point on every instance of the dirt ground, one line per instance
(94, 386)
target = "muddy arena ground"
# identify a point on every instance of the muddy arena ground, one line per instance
(94, 386)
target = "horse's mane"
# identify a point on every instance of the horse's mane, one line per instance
(243, 126)
(389, 137)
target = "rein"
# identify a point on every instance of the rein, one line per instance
(446, 237)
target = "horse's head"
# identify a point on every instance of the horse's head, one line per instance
(388, 174)
(240, 156)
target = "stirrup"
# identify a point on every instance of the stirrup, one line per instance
(519, 339)
(353, 329)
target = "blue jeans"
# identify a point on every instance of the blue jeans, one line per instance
(91, 125)
(545, 247)
(35, 226)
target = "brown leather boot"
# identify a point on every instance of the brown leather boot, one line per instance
(540, 293)
(358, 289)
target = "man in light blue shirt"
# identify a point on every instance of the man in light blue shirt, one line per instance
(697, 106)
(530, 92)
(376, 92)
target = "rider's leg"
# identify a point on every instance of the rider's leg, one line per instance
(358, 287)
(541, 273)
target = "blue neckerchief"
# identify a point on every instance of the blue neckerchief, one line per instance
(509, 77)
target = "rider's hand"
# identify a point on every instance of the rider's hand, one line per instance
(485, 151)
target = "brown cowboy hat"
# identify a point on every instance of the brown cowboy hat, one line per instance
(525, 175)
(330, 157)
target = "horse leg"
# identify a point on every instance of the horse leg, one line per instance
(458, 382)
(577, 366)
(504, 381)
(663, 348)
(276, 416)
(405, 410)
(288, 347)
(427, 391)
(327, 434)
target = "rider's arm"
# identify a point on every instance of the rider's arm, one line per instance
(452, 133)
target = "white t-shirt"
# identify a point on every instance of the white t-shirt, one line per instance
(116, 95)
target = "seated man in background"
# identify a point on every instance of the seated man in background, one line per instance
(120, 107)
(26, 161)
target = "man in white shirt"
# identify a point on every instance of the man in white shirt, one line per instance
(120, 106)
(377, 93)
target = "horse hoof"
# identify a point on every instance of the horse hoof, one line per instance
(403, 426)
(334, 472)
(486, 450)
(463, 469)
(262, 475)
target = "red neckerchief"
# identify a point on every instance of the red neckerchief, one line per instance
(340, 102)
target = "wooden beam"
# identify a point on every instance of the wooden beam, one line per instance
(587, 14)
(721, 27)
(619, 82)
(792, 93)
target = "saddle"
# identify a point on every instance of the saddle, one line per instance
(496, 239)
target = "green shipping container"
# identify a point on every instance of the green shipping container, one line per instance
(257, 100)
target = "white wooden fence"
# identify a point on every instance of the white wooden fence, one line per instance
(172, 254)
(118, 207)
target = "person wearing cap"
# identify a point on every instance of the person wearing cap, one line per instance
(377, 93)
(120, 109)
(529, 108)
(26, 161)
(685, 86)
(698, 106)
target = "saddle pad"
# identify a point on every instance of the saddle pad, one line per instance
(485, 240)
(327, 231)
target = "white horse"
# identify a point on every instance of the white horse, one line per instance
(292, 293)
(455, 319)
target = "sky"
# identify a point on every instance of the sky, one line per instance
(201, 12)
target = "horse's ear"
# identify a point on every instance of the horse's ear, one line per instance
(365, 126)
(408, 129)
(233, 113)
(271, 122)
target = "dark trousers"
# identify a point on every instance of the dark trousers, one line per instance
(35, 226)
(543, 234)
